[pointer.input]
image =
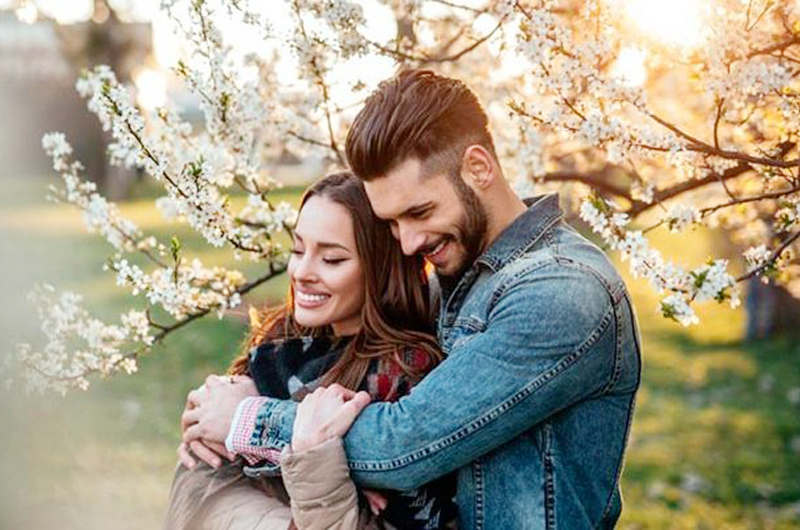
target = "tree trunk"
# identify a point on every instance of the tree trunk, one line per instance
(771, 310)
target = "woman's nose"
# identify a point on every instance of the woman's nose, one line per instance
(303, 269)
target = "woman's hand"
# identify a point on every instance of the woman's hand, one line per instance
(324, 414)
(211, 453)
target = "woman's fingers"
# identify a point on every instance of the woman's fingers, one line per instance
(338, 390)
(192, 432)
(205, 454)
(341, 421)
(193, 398)
(189, 417)
(377, 502)
(326, 413)
(185, 457)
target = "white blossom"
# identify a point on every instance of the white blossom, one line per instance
(681, 216)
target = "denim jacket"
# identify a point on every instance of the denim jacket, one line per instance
(533, 403)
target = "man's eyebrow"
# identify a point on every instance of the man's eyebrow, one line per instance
(416, 209)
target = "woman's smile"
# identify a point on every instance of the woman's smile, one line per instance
(310, 299)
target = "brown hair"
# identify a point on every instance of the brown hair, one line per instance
(417, 114)
(396, 294)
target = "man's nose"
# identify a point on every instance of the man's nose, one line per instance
(411, 241)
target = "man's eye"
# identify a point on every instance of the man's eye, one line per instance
(420, 214)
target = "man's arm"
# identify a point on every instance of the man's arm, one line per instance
(531, 361)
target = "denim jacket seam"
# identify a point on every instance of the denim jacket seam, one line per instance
(617, 294)
(497, 411)
(495, 264)
(620, 457)
(510, 280)
(477, 468)
(551, 241)
(629, 420)
(549, 478)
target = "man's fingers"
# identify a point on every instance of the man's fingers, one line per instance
(184, 456)
(205, 454)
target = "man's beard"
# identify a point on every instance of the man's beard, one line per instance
(471, 228)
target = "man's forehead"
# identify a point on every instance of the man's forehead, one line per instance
(400, 189)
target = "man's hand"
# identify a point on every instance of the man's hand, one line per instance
(324, 414)
(208, 415)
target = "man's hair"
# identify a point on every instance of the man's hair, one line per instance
(417, 114)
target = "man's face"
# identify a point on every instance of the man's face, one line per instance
(430, 215)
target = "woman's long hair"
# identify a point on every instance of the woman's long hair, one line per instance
(397, 306)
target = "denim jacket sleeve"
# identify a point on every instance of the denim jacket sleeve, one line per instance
(548, 342)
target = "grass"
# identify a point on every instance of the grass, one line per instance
(715, 442)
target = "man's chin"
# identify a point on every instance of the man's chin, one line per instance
(453, 269)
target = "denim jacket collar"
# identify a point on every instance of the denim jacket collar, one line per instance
(543, 211)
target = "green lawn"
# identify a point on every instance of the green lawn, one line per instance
(715, 443)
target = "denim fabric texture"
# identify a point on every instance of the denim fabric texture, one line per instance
(533, 403)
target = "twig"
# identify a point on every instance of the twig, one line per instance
(774, 256)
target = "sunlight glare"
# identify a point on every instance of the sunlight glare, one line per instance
(67, 12)
(151, 88)
(629, 66)
(27, 13)
(676, 22)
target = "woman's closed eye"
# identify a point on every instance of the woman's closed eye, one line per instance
(334, 261)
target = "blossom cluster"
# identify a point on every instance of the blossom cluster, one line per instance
(185, 289)
(99, 215)
(710, 281)
(79, 345)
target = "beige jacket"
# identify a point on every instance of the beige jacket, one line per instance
(322, 495)
(318, 481)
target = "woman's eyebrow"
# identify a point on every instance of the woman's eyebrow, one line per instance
(324, 244)
(328, 244)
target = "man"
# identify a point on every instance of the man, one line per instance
(533, 403)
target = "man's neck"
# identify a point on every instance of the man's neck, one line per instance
(502, 215)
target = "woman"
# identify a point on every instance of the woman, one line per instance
(351, 287)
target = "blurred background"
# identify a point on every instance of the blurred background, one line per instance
(716, 438)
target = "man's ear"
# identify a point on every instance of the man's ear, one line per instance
(478, 167)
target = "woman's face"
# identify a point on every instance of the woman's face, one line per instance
(325, 269)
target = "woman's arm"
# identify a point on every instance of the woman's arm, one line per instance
(314, 467)
(318, 482)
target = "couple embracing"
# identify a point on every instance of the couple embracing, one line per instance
(496, 393)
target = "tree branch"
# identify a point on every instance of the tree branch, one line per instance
(597, 180)
(774, 256)
(702, 147)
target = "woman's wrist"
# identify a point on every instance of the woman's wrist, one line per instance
(304, 443)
